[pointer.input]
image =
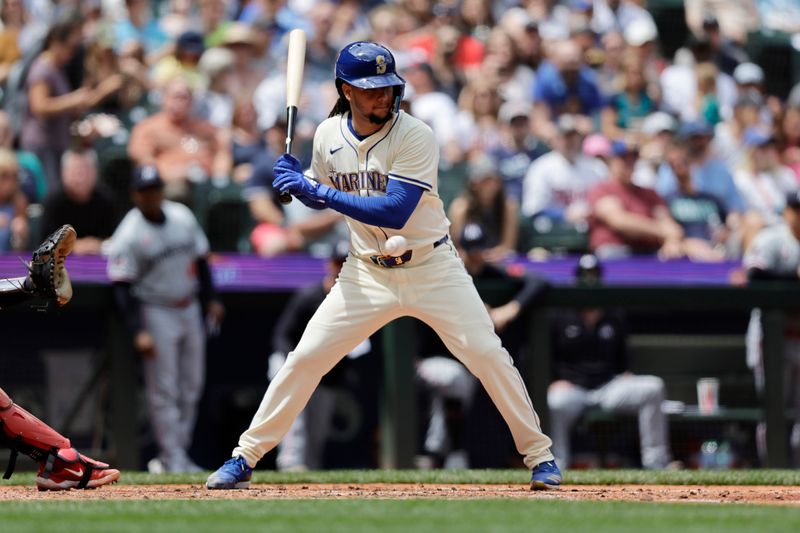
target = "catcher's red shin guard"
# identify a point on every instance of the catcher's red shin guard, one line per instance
(24, 433)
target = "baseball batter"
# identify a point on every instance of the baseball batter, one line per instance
(378, 166)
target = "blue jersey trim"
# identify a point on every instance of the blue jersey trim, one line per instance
(352, 130)
(344, 136)
(395, 121)
(419, 183)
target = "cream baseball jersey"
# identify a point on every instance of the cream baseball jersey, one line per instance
(403, 149)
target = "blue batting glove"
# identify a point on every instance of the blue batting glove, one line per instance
(295, 183)
(287, 162)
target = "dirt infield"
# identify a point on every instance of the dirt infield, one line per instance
(772, 495)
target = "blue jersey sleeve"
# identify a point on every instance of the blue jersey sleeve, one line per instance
(390, 211)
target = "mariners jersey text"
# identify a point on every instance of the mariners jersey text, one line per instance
(404, 149)
(363, 180)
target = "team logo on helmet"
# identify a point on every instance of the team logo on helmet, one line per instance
(381, 61)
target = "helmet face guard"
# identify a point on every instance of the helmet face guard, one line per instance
(369, 65)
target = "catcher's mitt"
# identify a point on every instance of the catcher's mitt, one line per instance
(48, 275)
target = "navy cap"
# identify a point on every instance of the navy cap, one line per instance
(190, 41)
(754, 138)
(145, 177)
(473, 237)
(621, 149)
(697, 128)
(588, 268)
(793, 199)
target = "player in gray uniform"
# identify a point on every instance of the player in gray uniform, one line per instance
(378, 166)
(157, 264)
(775, 255)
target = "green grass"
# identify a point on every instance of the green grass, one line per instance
(417, 516)
(578, 477)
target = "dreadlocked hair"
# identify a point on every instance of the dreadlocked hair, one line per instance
(342, 105)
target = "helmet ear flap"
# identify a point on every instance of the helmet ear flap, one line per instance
(397, 96)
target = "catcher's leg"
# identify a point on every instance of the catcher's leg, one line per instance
(60, 466)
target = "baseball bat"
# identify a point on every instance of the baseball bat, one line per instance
(294, 81)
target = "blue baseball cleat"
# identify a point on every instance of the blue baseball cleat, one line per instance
(234, 474)
(546, 476)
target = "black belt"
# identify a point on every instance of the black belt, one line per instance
(388, 261)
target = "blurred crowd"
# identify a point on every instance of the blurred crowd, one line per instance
(562, 124)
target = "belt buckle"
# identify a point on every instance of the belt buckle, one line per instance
(389, 261)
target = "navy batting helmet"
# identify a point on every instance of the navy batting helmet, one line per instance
(368, 65)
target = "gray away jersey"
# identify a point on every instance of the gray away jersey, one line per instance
(158, 259)
(774, 248)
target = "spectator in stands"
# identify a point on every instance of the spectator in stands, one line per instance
(775, 257)
(81, 202)
(709, 174)
(706, 103)
(731, 19)
(617, 15)
(32, 180)
(246, 72)
(762, 180)
(591, 369)
(436, 109)
(183, 62)
(447, 380)
(486, 203)
(726, 54)
(13, 18)
(564, 84)
(247, 139)
(140, 26)
(52, 104)
(557, 183)
(212, 21)
(679, 83)
(553, 18)
(658, 129)
(749, 78)
(477, 123)
(518, 147)
(215, 102)
(788, 134)
(633, 102)
(502, 65)
(183, 148)
(524, 31)
(14, 227)
(701, 215)
(728, 135)
(628, 219)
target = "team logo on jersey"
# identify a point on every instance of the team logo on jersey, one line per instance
(381, 61)
(364, 180)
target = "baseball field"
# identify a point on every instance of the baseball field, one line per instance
(416, 501)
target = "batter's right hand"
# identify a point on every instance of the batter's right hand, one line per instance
(144, 344)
